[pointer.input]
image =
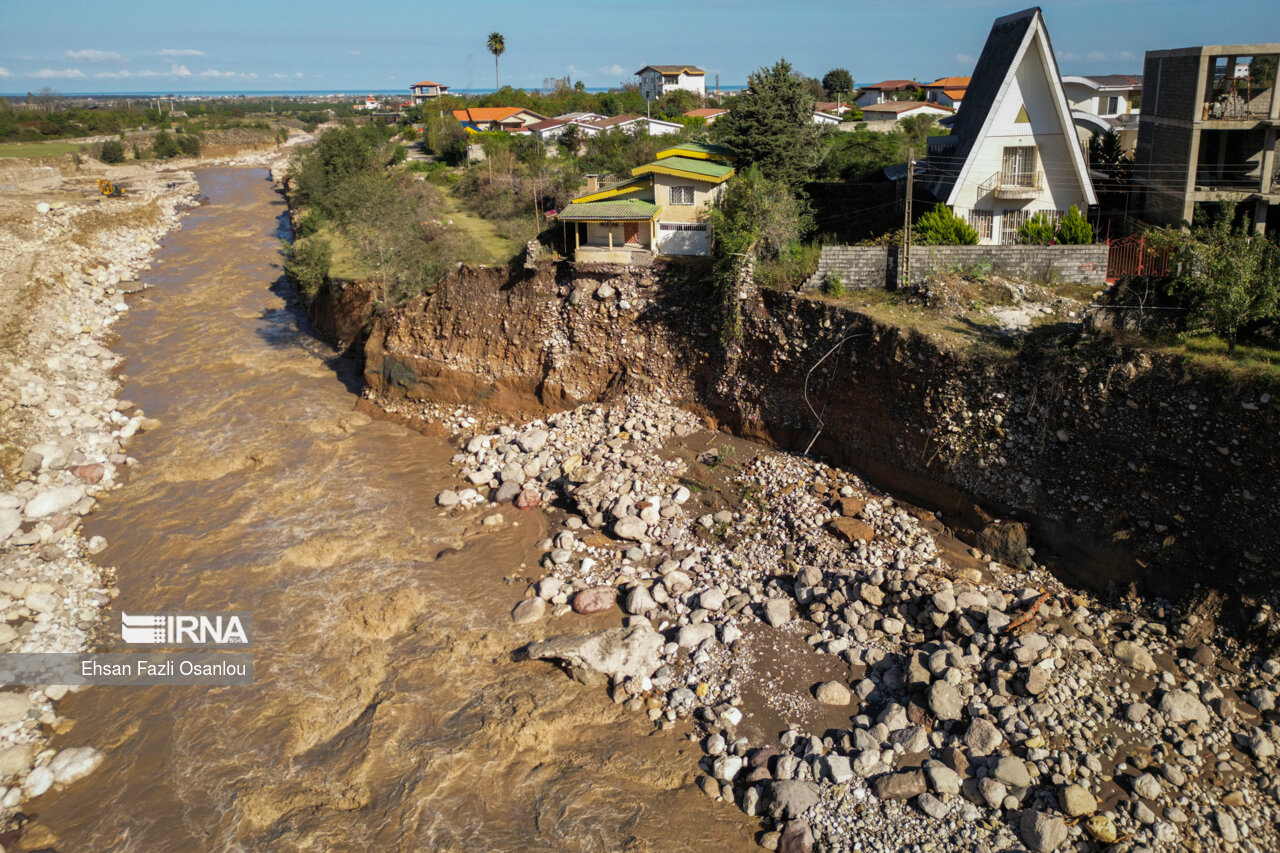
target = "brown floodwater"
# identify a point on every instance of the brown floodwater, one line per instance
(387, 712)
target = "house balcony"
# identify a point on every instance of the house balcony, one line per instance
(1016, 186)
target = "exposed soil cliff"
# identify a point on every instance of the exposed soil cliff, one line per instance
(1125, 466)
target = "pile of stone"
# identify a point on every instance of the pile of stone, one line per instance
(60, 410)
(991, 701)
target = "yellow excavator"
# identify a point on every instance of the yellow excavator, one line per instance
(109, 189)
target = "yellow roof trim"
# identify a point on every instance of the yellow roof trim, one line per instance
(693, 155)
(638, 186)
(658, 168)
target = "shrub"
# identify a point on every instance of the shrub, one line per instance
(1037, 230)
(165, 146)
(1074, 229)
(398, 155)
(941, 227)
(112, 152)
(189, 145)
(307, 264)
(833, 285)
(308, 224)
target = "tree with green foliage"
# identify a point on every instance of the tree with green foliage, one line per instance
(1038, 230)
(307, 263)
(1074, 229)
(189, 144)
(838, 82)
(496, 45)
(164, 146)
(1227, 276)
(112, 152)
(338, 154)
(771, 125)
(755, 218)
(675, 104)
(917, 130)
(941, 227)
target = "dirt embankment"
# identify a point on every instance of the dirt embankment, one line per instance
(1125, 466)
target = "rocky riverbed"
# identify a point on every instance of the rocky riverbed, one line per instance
(856, 677)
(69, 259)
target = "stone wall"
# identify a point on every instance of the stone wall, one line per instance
(874, 266)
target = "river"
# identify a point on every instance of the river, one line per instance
(387, 712)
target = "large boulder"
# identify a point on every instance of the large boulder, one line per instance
(618, 652)
(1179, 706)
(789, 798)
(1042, 833)
(1006, 541)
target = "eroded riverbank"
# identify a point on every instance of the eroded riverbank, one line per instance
(387, 711)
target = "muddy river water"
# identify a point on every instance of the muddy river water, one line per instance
(387, 712)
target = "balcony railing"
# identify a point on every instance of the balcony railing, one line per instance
(1013, 184)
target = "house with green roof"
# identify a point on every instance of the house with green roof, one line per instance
(659, 210)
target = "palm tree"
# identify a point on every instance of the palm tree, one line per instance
(497, 45)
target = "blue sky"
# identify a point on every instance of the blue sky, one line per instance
(339, 45)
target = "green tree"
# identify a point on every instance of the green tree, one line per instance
(755, 218)
(838, 82)
(189, 144)
(112, 152)
(917, 129)
(675, 103)
(1227, 276)
(497, 45)
(1037, 230)
(1074, 229)
(164, 146)
(941, 227)
(771, 125)
(306, 263)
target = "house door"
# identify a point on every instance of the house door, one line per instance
(631, 233)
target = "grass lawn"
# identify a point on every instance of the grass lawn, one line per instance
(1209, 353)
(346, 262)
(484, 244)
(892, 308)
(38, 149)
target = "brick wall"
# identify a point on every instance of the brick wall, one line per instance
(871, 266)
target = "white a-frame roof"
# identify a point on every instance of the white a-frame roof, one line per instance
(1008, 45)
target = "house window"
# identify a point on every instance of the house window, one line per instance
(1113, 106)
(682, 195)
(983, 222)
(670, 80)
(1019, 168)
(1010, 222)
(681, 226)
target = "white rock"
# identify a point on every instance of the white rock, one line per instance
(53, 500)
(75, 763)
(10, 520)
(37, 782)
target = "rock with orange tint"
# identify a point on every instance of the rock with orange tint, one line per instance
(597, 599)
(528, 499)
(90, 473)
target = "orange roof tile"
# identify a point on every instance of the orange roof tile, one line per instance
(949, 83)
(705, 112)
(429, 83)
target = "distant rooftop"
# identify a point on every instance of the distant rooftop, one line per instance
(674, 69)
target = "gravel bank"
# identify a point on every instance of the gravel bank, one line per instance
(64, 434)
(852, 682)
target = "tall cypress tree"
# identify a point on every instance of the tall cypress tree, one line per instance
(771, 125)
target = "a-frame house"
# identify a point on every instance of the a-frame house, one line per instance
(1013, 149)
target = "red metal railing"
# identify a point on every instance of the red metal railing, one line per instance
(1132, 255)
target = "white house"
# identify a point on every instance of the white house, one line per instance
(885, 90)
(947, 91)
(826, 119)
(1105, 103)
(892, 111)
(425, 90)
(658, 80)
(1013, 149)
(629, 124)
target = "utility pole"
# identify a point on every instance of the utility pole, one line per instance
(906, 228)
